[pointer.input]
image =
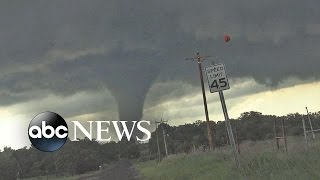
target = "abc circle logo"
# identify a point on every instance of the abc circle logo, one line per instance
(48, 131)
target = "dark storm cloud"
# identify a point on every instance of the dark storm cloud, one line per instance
(64, 47)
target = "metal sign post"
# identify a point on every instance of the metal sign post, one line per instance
(229, 128)
(218, 81)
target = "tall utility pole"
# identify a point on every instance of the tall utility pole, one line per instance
(199, 61)
(164, 136)
(284, 135)
(310, 124)
(275, 134)
(159, 153)
(305, 133)
(237, 139)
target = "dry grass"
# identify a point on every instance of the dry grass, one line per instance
(259, 160)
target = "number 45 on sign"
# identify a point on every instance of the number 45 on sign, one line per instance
(217, 78)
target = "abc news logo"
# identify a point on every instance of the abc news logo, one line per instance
(48, 131)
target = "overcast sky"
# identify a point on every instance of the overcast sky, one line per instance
(110, 60)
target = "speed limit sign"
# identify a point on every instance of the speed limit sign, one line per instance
(218, 81)
(217, 78)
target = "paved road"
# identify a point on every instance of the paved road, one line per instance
(122, 170)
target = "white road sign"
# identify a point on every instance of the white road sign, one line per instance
(217, 78)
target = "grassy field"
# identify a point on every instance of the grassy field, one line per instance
(82, 176)
(258, 162)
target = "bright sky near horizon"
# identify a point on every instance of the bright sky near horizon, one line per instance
(186, 109)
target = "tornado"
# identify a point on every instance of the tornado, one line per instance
(130, 83)
(129, 88)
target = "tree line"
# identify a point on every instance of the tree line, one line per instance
(72, 159)
(85, 155)
(252, 126)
